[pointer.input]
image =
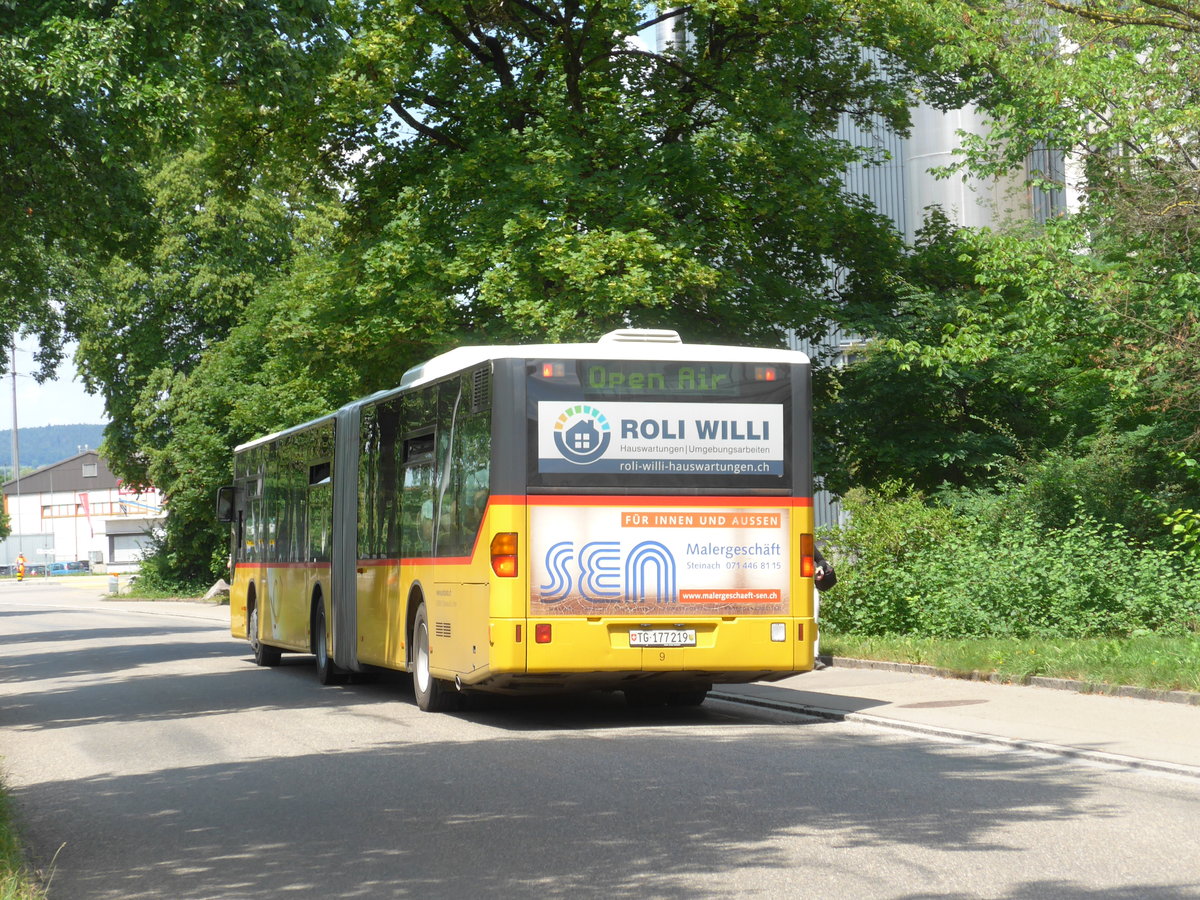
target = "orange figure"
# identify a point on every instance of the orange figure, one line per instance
(20, 567)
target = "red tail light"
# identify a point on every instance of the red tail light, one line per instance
(504, 554)
(541, 632)
(808, 568)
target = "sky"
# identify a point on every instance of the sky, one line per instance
(59, 402)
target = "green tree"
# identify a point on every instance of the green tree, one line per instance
(961, 371)
(1056, 364)
(144, 320)
(522, 170)
(90, 94)
(1113, 86)
(178, 339)
(278, 366)
(508, 171)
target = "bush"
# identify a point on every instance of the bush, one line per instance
(1121, 478)
(878, 556)
(911, 567)
(158, 575)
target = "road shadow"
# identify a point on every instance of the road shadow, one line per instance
(639, 813)
(541, 797)
(93, 634)
(843, 703)
(77, 656)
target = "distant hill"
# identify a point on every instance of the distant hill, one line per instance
(49, 444)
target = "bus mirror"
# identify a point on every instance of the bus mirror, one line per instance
(225, 503)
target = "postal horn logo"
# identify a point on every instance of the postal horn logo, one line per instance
(582, 434)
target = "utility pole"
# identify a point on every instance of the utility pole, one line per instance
(16, 450)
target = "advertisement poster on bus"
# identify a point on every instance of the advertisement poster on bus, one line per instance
(660, 438)
(623, 559)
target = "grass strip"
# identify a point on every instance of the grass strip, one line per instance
(1149, 661)
(16, 881)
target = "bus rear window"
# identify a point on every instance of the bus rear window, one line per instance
(659, 425)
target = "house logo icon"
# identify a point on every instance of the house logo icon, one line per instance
(582, 434)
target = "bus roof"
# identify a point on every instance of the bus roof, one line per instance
(631, 343)
(295, 429)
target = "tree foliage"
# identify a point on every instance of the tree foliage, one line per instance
(367, 183)
(1113, 87)
(926, 568)
(533, 169)
(1066, 337)
(91, 95)
(965, 370)
(144, 321)
(270, 371)
(249, 212)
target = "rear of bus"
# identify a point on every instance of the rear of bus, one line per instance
(667, 535)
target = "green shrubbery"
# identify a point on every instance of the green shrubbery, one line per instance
(158, 576)
(984, 565)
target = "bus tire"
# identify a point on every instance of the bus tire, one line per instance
(264, 655)
(327, 671)
(432, 695)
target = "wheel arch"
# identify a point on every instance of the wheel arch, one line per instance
(416, 598)
(316, 598)
(251, 602)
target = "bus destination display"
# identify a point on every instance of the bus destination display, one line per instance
(631, 379)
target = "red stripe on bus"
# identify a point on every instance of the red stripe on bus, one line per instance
(506, 499)
(367, 563)
(415, 561)
(283, 565)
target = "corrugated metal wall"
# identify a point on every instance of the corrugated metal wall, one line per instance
(884, 181)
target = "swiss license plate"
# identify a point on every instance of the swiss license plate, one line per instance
(662, 637)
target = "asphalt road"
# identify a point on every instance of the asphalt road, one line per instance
(150, 758)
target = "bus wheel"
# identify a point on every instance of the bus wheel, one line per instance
(432, 695)
(263, 654)
(327, 672)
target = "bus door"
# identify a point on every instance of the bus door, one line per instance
(461, 606)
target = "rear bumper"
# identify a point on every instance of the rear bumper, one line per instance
(595, 653)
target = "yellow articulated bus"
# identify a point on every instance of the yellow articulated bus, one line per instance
(634, 515)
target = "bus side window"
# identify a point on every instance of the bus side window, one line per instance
(253, 537)
(270, 505)
(468, 482)
(416, 500)
(442, 507)
(388, 512)
(368, 484)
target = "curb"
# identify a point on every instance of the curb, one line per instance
(1058, 684)
(970, 737)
